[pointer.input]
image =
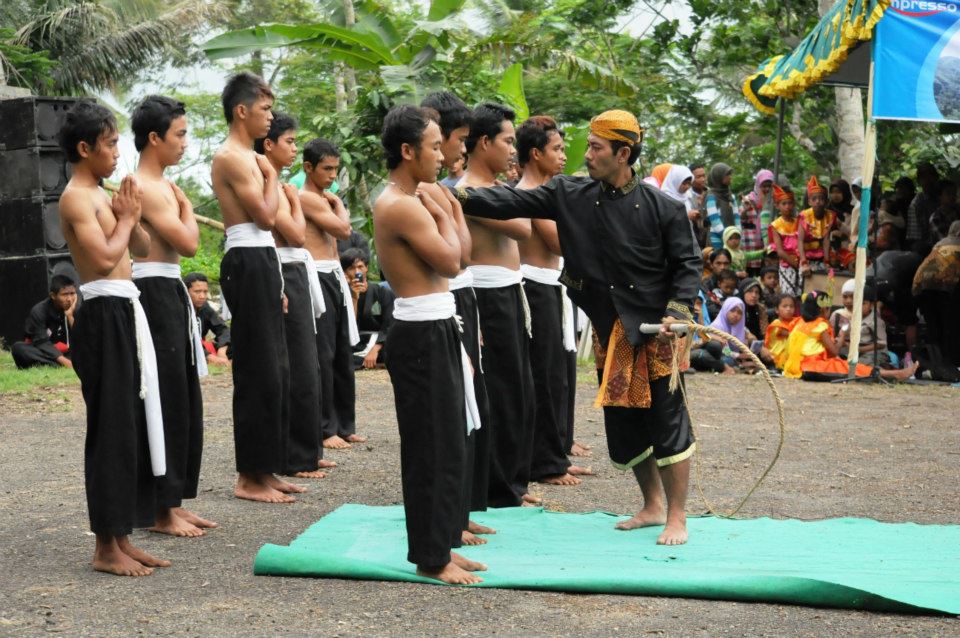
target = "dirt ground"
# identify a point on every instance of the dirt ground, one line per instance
(890, 453)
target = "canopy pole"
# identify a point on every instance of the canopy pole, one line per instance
(776, 161)
(869, 160)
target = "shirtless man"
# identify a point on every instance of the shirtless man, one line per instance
(455, 127)
(304, 305)
(246, 185)
(327, 221)
(119, 463)
(160, 134)
(554, 361)
(418, 245)
(504, 322)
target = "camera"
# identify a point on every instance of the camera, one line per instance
(358, 277)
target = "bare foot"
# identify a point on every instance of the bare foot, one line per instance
(576, 470)
(167, 522)
(283, 486)
(579, 449)
(728, 370)
(465, 563)
(469, 538)
(137, 554)
(559, 479)
(336, 443)
(450, 574)
(532, 500)
(316, 474)
(647, 517)
(476, 528)
(110, 559)
(356, 438)
(675, 533)
(254, 489)
(903, 374)
(324, 464)
(193, 519)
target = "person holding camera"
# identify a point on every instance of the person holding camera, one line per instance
(373, 306)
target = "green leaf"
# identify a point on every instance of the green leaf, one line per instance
(576, 139)
(440, 9)
(511, 88)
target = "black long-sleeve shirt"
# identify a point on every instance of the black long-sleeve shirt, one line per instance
(46, 325)
(374, 314)
(628, 252)
(211, 321)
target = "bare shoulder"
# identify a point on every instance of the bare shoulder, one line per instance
(228, 163)
(401, 212)
(78, 203)
(314, 201)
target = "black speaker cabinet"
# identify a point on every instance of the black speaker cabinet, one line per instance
(31, 226)
(23, 282)
(32, 121)
(33, 172)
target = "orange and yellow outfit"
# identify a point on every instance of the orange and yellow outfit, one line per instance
(776, 342)
(806, 353)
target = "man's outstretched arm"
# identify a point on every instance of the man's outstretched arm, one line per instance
(508, 202)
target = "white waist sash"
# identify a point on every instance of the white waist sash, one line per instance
(290, 255)
(501, 277)
(248, 236)
(327, 266)
(143, 270)
(437, 307)
(146, 357)
(463, 280)
(551, 277)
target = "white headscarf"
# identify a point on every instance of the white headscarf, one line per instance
(676, 176)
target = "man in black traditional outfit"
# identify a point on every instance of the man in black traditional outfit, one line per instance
(208, 319)
(419, 248)
(630, 258)
(47, 328)
(160, 134)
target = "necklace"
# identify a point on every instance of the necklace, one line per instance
(402, 189)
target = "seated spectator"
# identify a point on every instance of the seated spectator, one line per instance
(726, 287)
(373, 304)
(778, 330)
(218, 350)
(47, 328)
(770, 289)
(936, 286)
(840, 319)
(873, 345)
(739, 259)
(707, 355)
(946, 212)
(841, 199)
(731, 321)
(755, 314)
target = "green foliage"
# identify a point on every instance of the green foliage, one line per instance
(23, 66)
(208, 257)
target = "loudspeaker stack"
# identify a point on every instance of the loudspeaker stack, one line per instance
(33, 174)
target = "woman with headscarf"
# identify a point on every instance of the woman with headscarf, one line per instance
(755, 217)
(720, 203)
(657, 175)
(732, 320)
(840, 199)
(677, 182)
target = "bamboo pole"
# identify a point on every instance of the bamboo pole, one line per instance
(860, 272)
(777, 158)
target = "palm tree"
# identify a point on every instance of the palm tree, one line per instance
(104, 44)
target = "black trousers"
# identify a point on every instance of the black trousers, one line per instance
(570, 362)
(26, 355)
(549, 363)
(121, 490)
(165, 303)
(425, 370)
(337, 384)
(478, 443)
(509, 380)
(304, 447)
(251, 280)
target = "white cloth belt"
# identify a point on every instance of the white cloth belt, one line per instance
(501, 277)
(143, 270)
(327, 266)
(437, 307)
(146, 357)
(463, 280)
(551, 277)
(248, 236)
(290, 255)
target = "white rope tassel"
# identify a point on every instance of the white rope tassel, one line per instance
(527, 320)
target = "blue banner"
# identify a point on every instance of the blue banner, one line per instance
(917, 62)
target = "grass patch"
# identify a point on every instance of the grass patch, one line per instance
(13, 381)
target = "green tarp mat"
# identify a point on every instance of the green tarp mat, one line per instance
(842, 562)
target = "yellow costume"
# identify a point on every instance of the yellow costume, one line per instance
(776, 343)
(806, 353)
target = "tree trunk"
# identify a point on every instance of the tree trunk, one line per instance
(350, 76)
(849, 132)
(339, 88)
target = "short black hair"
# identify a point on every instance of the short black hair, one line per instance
(786, 295)
(453, 112)
(726, 274)
(697, 165)
(535, 134)
(59, 282)
(635, 149)
(769, 269)
(318, 148)
(85, 122)
(403, 125)
(193, 277)
(351, 255)
(281, 123)
(487, 121)
(154, 115)
(242, 88)
(716, 253)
